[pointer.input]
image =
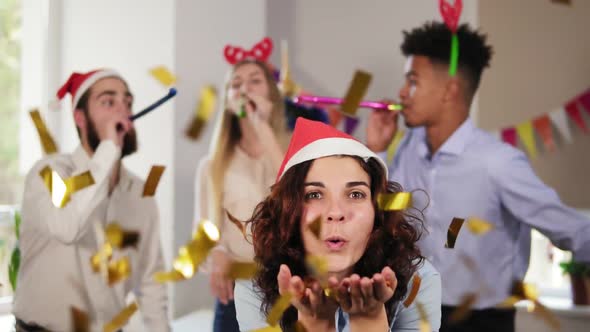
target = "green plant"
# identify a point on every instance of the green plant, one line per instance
(575, 269)
(15, 257)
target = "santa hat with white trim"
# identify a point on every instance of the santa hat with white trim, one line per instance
(312, 140)
(78, 83)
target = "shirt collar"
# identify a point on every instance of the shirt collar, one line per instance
(454, 145)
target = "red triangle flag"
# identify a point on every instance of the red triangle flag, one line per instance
(574, 113)
(585, 101)
(542, 125)
(509, 135)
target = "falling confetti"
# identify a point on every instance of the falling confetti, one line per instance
(414, 291)
(453, 232)
(47, 141)
(191, 255)
(463, 309)
(61, 190)
(394, 202)
(121, 318)
(80, 320)
(163, 75)
(278, 308)
(205, 108)
(479, 226)
(424, 323)
(120, 238)
(356, 91)
(151, 184)
(239, 270)
(316, 227)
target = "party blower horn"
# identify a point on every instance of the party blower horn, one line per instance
(171, 93)
(338, 101)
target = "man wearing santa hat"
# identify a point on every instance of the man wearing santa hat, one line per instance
(59, 237)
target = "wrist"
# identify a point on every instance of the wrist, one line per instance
(312, 323)
(375, 320)
(376, 313)
(377, 147)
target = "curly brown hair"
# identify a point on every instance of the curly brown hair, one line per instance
(277, 238)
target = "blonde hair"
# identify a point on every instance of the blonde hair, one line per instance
(227, 134)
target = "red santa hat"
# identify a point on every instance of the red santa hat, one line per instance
(313, 139)
(78, 83)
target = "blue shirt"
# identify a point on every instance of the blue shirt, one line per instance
(474, 174)
(250, 317)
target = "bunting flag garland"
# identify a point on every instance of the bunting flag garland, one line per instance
(542, 127)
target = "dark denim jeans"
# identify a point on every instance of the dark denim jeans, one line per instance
(225, 317)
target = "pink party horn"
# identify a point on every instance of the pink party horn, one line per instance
(338, 101)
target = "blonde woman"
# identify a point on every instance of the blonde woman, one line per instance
(246, 152)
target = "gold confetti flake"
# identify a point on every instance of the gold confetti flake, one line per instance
(120, 238)
(118, 270)
(205, 108)
(191, 255)
(355, 93)
(424, 323)
(278, 308)
(121, 318)
(172, 276)
(239, 270)
(80, 320)
(47, 141)
(479, 226)
(394, 202)
(61, 190)
(163, 75)
(464, 308)
(414, 291)
(151, 184)
(316, 227)
(453, 232)
(101, 257)
(317, 267)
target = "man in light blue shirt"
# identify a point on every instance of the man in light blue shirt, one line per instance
(469, 173)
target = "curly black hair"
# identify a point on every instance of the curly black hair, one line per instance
(433, 40)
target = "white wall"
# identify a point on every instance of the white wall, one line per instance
(330, 39)
(540, 63)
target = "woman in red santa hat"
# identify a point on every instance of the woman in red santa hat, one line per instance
(246, 151)
(371, 255)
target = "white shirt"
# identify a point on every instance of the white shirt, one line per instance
(57, 243)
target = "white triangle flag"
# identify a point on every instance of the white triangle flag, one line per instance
(497, 134)
(559, 119)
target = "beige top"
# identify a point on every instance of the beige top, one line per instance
(57, 243)
(247, 183)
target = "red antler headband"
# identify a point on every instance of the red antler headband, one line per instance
(450, 14)
(261, 51)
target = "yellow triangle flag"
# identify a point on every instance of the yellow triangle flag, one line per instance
(525, 132)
